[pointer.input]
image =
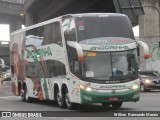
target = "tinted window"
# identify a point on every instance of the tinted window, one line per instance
(44, 35)
(51, 69)
(95, 27)
(55, 68)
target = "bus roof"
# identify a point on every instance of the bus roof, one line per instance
(73, 15)
(95, 14)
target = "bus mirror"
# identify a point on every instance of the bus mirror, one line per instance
(145, 49)
(78, 48)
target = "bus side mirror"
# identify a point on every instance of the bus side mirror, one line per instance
(78, 48)
(145, 49)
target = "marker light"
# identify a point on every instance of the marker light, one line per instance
(82, 86)
(134, 87)
(147, 81)
(91, 54)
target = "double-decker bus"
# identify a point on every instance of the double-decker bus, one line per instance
(77, 59)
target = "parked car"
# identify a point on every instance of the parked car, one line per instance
(149, 80)
(2, 77)
(7, 75)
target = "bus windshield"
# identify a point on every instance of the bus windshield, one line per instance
(95, 27)
(111, 65)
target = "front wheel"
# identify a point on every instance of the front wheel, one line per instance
(116, 104)
(69, 104)
(22, 96)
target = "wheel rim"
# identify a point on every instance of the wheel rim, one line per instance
(22, 96)
(67, 99)
(58, 98)
(142, 88)
(26, 95)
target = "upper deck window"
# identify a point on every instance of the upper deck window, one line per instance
(96, 27)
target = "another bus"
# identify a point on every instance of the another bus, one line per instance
(77, 59)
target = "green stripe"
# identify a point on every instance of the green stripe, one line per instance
(92, 97)
(46, 94)
(45, 89)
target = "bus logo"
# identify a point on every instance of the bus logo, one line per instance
(110, 47)
(43, 52)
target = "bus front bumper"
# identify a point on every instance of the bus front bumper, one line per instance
(88, 97)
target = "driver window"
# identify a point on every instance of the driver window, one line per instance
(76, 68)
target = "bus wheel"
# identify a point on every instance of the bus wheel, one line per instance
(22, 96)
(60, 100)
(26, 97)
(116, 104)
(69, 104)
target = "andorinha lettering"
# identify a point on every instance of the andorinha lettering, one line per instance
(43, 52)
(113, 86)
(109, 47)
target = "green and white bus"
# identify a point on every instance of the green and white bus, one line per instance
(77, 58)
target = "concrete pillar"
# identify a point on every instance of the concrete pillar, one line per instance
(149, 23)
(149, 32)
(15, 24)
(28, 19)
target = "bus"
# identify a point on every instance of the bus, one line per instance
(77, 59)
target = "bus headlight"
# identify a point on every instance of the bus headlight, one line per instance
(134, 87)
(87, 88)
(147, 81)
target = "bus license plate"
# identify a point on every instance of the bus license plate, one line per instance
(113, 99)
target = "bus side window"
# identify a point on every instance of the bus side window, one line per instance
(52, 34)
(71, 65)
(34, 37)
(76, 68)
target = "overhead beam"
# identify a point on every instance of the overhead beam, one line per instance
(52, 8)
(10, 8)
(27, 5)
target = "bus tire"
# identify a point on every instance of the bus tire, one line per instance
(22, 96)
(69, 104)
(105, 104)
(26, 97)
(116, 104)
(60, 99)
